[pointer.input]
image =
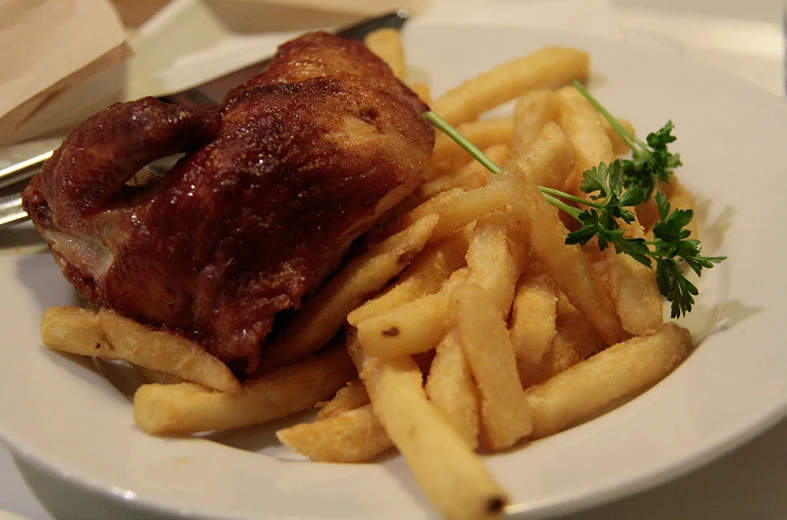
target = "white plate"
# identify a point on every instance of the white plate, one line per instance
(60, 413)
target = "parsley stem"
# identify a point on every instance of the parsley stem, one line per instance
(621, 130)
(559, 204)
(462, 141)
(481, 157)
(568, 196)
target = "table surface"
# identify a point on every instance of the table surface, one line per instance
(748, 41)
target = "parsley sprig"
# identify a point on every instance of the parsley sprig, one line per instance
(651, 160)
(613, 189)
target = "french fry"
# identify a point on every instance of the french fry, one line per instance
(469, 177)
(190, 408)
(456, 208)
(648, 212)
(625, 369)
(574, 341)
(533, 315)
(562, 354)
(323, 315)
(451, 388)
(531, 112)
(505, 417)
(634, 289)
(546, 68)
(411, 328)
(680, 198)
(633, 285)
(387, 45)
(350, 436)
(566, 265)
(563, 305)
(448, 156)
(494, 261)
(580, 121)
(451, 474)
(423, 91)
(425, 275)
(576, 329)
(553, 173)
(157, 376)
(108, 335)
(349, 397)
(619, 145)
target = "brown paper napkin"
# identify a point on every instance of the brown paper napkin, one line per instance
(49, 45)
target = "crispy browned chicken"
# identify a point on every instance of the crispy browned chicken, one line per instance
(276, 184)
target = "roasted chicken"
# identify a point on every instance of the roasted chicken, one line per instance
(274, 187)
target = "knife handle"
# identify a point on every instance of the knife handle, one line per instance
(11, 211)
(23, 170)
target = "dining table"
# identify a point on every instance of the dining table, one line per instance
(744, 39)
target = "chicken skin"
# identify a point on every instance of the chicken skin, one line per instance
(275, 185)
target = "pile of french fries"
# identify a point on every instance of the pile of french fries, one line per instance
(484, 330)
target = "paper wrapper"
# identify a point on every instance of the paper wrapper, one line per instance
(48, 46)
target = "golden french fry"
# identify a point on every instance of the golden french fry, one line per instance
(349, 397)
(534, 315)
(546, 68)
(448, 156)
(74, 330)
(190, 408)
(413, 327)
(324, 314)
(625, 369)
(469, 177)
(563, 305)
(456, 209)
(574, 328)
(648, 212)
(574, 341)
(423, 91)
(633, 285)
(561, 355)
(425, 275)
(531, 112)
(451, 388)
(481, 332)
(553, 173)
(451, 474)
(387, 44)
(565, 264)
(157, 376)
(350, 436)
(580, 121)
(634, 289)
(495, 261)
(680, 198)
(619, 145)
(108, 335)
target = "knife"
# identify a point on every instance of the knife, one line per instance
(212, 91)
